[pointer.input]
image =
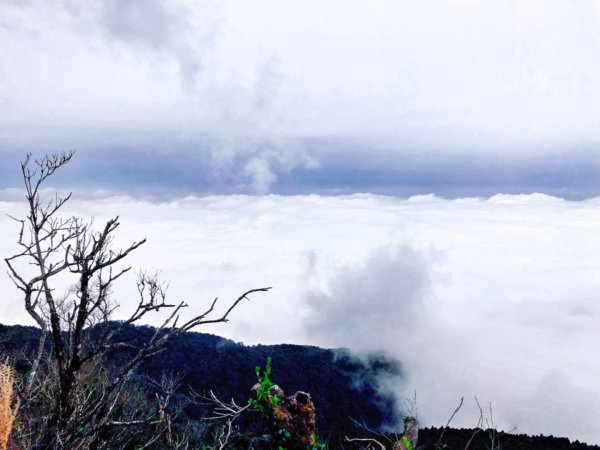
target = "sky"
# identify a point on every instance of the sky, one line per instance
(415, 177)
(394, 97)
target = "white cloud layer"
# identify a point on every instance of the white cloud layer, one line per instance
(496, 298)
(446, 75)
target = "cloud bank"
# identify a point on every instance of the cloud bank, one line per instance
(465, 77)
(496, 298)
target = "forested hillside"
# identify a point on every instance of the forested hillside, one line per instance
(344, 388)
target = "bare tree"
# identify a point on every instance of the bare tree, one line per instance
(53, 248)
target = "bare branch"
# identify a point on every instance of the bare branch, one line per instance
(371, 440)
(439, 441)
(51, 248)
(221, 410)
(477, 427)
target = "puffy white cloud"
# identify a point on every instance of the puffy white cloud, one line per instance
(495, 298)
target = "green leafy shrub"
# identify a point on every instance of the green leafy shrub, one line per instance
(264, 402)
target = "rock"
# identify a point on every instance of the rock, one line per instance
(409, 438)
(295, 418)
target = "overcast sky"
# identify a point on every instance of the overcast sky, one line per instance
(295, 145)
(299, 97)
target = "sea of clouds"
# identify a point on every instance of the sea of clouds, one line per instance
(495, 298)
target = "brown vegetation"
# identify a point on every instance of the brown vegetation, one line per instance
(296, 414)
(7, 413)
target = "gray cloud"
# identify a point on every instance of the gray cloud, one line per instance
(268, 83)
(360, 305)
(373, 307)
(167, 29)
(558, 391)
(255, 165)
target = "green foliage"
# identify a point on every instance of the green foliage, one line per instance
(406, 443)
(264, 402)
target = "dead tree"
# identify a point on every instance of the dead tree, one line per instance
(56, 250)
